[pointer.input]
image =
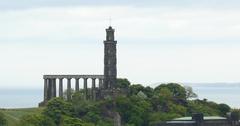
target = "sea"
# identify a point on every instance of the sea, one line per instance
(219, 93)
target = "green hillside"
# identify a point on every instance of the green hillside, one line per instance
(14, 115)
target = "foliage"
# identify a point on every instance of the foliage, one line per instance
(56, 108)
(91, 111)
(70, 121)
(65, 93)
(13, 116)
(142, 106)
(3, 121)
(224, 109)
(177, 90)
(134, 89)
(190, 93)
(205, 107)
(165, 93)
(36, 120)
(123, 83)
(132, 108)
(78, 95)
(161, 116)
(148, 91)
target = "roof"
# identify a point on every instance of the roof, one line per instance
(189, 119)
(205, 118)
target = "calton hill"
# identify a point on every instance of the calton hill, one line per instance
(140, 106)
(117, 102)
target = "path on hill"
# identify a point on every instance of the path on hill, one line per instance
(11, 116)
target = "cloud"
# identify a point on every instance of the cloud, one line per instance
(63, 23)
(29, 4)
(154, 44)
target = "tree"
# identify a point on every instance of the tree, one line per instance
(148, 91)
(122, 83)
(177, 90)
(70, 121)
(223, 108)
(56, 108)
(203, 106)
(134, 89)
(141, 107)
(166, 93)
(81, 106)
(190, 93)
(65, 94)
(78, 96)
(3, 121)
(133, 110)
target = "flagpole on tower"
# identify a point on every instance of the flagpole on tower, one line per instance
(110, 21)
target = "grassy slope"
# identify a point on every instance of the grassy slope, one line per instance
(13, 115)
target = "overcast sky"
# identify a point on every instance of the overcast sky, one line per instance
(158, 40)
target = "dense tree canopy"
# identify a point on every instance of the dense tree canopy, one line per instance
(123, 83)
(177, 90)
(57, 108)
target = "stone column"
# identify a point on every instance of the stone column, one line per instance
(45, 89)
(49, 89)
(85, 88)
(77, 84)
(69, 88)
(54, 88)
(61, 87)
(100, 83)
(93, 94)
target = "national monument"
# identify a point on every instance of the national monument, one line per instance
(106, 82)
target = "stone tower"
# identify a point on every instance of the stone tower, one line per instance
(110, 60)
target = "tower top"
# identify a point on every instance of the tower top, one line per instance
(110, 29)
(110, 34)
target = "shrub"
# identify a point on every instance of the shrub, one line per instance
(36, 120)
(3, 121)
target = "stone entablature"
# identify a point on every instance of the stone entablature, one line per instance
(72, 76)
